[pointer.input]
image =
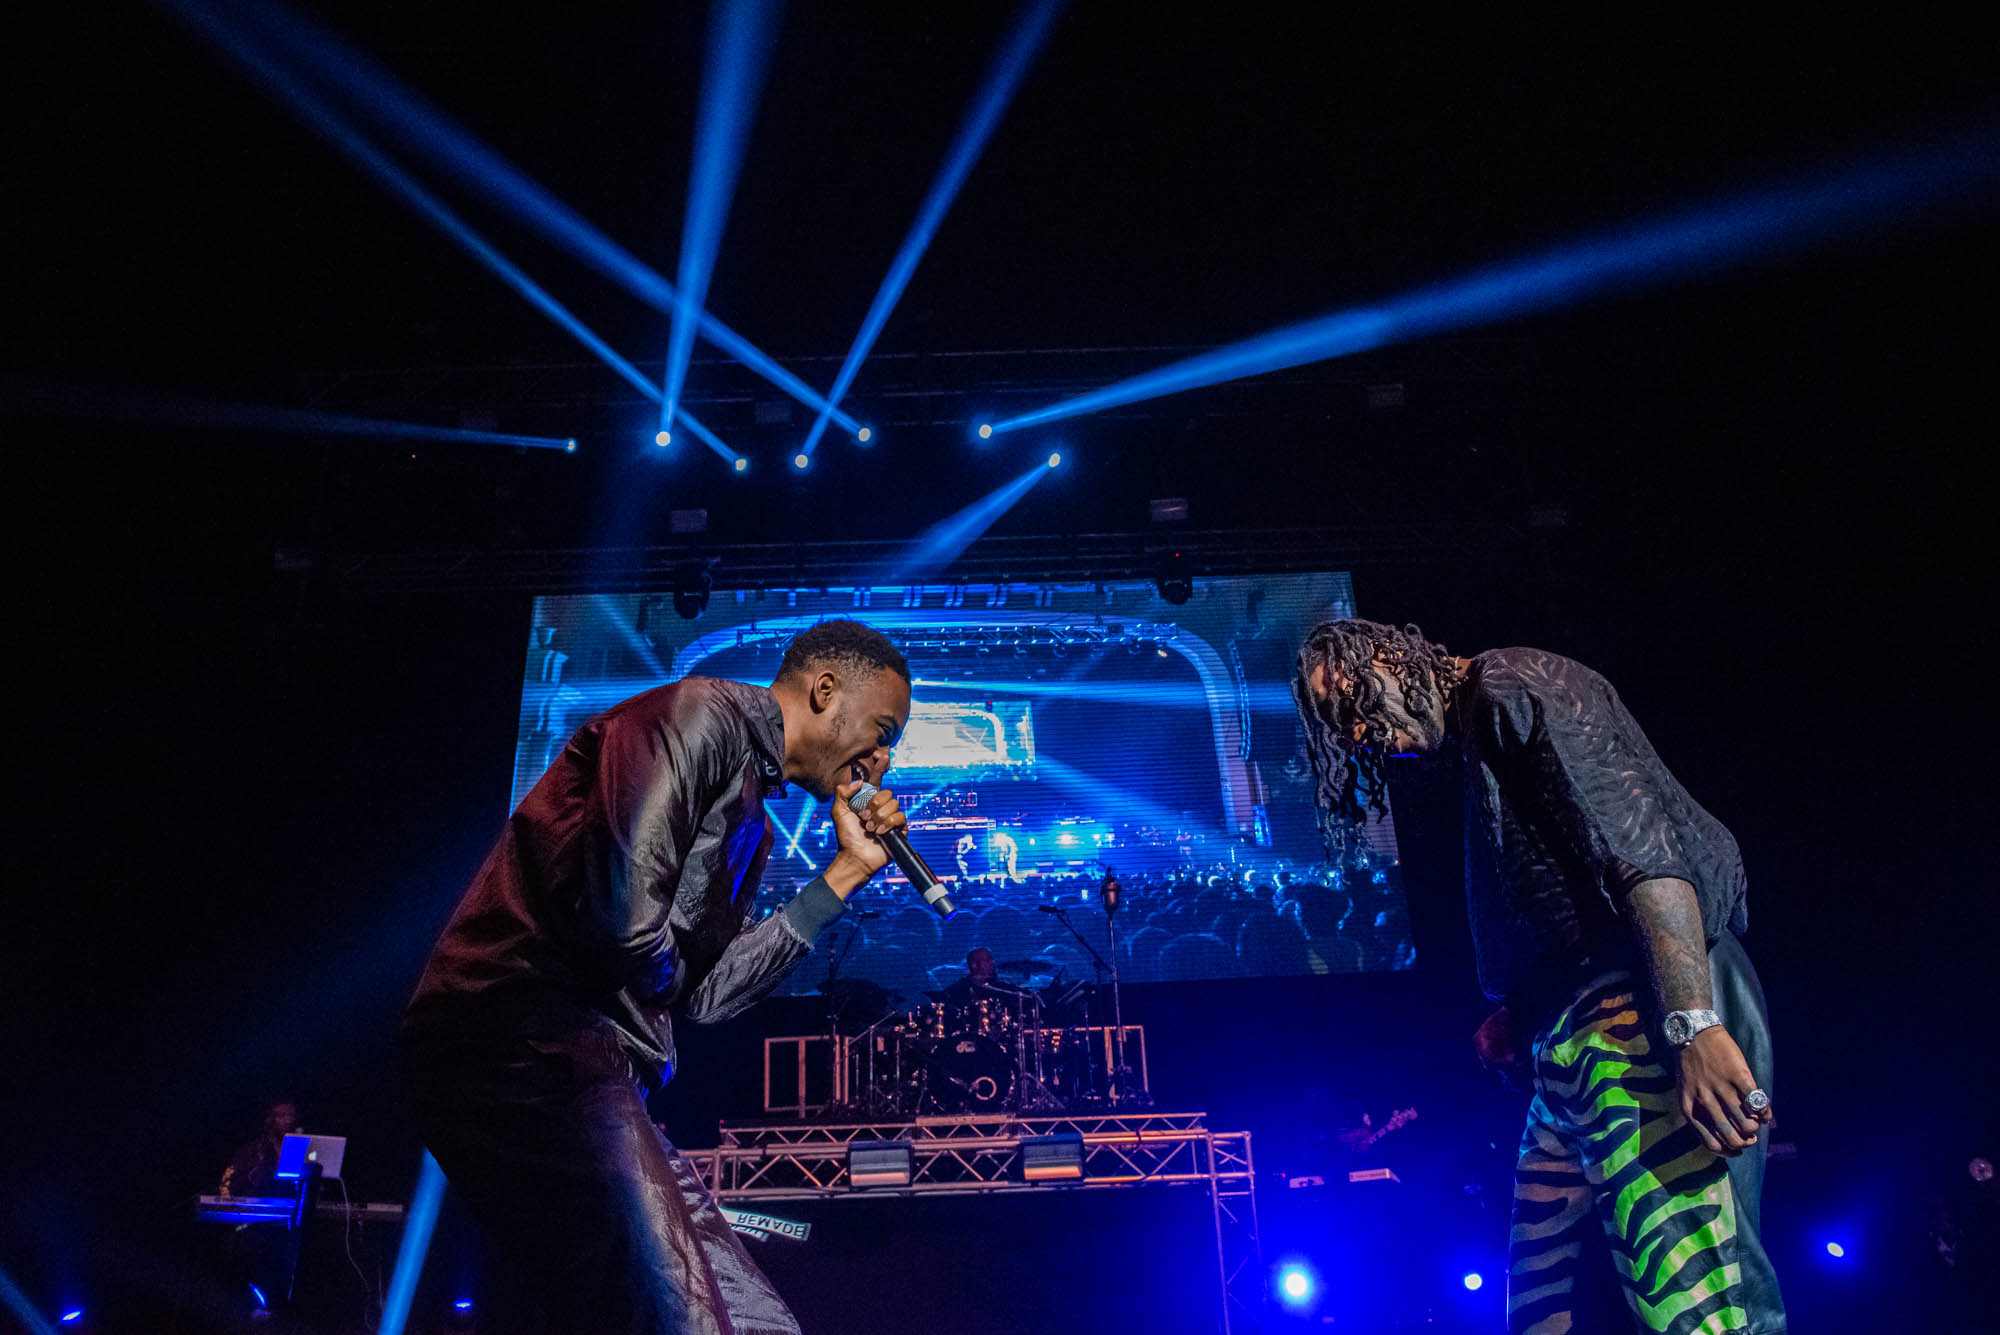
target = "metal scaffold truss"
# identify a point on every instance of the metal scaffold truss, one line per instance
(974, 1155)
(1013, 564)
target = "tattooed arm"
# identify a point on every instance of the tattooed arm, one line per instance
(1666, 918)
(1711, 1075)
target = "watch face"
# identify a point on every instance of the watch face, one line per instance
(1677, 1029)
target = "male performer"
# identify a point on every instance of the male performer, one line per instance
(618, 896)
(980, 973)
(1605, 906)
(253, 1169)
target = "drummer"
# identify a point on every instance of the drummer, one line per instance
(980, 975)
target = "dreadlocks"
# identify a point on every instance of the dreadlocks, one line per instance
(1349, 778)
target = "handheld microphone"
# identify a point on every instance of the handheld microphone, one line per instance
(906, 857)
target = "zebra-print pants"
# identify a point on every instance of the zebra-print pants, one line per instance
(1607, 1154)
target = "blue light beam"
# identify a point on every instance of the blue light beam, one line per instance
(794, 835)
(321, 118)
(422, 1219)
(268, 417)
(740, 37)
(941, 544)
(1003, 77)
(1118, 802)
(1146, 694)
(710, 439)
(450, 148)
(24, 1311)
(1722, 234)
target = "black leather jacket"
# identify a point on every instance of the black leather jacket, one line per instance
(621, 889)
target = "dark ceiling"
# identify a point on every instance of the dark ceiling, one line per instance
(1169, 177)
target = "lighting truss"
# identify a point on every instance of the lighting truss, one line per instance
(974, 1155)
(1096, 562)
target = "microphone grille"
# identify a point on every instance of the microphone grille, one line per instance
(862, 796)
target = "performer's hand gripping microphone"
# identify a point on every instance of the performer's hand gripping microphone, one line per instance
(906, 857)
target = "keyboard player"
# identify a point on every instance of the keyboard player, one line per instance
(253, 1169)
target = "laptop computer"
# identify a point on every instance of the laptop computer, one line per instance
(299, 1150)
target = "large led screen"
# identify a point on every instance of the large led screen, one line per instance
(1057, 732)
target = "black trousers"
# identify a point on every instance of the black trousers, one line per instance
(599, 1224)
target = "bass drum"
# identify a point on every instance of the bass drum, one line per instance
(966, 1073)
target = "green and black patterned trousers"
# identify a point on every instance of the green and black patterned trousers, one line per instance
(1607, 1157)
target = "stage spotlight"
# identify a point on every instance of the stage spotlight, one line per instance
(742, 464)
(879, 1163)
(800, 461)
(569, 446)
(865, 434)
(664, 439)
(1054, 459)
(1048, 1158)
(1295, 1284)
(71, 1317)
(463, 1304)
(1474, 1281)
(1835, 1250)
(257, 1296)
(986, 431)
(692, 584)
(1174, 579)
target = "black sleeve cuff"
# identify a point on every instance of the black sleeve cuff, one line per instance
(813, 908)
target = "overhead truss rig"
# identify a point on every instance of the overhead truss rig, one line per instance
(938, 387)
(983, 1155)
(1023, 561)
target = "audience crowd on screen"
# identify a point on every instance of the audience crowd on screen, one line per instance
(1217, 922)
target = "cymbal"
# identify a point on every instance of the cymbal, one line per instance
(855, 989)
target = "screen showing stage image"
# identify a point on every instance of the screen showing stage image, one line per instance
(1056, 733)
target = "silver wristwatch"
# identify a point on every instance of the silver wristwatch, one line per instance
(1682, 1026)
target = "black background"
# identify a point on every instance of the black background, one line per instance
(244, 803)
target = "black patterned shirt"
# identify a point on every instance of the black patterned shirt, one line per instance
(1569, 808)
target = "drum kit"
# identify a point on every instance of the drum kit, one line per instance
(1022, 1042)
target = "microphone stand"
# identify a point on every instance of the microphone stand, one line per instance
(1109, 890)
(1118, 1074)
(1097, 962)
(836, 1092)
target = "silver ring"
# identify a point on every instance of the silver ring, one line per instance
(1756, 1100)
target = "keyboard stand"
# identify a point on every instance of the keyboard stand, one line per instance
(302, 1214)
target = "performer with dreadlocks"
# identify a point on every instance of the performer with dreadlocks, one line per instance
(1605, 908)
